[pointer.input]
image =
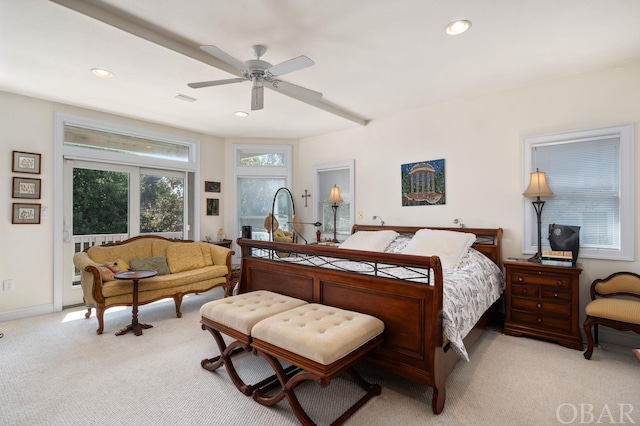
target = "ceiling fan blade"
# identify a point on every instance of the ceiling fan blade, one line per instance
(296, 91)
(290, 65)
(215, 83)
(223, 56)
(257, 97)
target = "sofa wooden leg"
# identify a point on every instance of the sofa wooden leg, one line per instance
(88, 314)
(178, 301)
(100, 317)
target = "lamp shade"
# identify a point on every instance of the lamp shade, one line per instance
(538, 186)
(334, 197)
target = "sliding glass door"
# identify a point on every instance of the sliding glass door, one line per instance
(110, 203)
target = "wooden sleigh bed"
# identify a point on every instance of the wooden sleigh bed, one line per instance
(411, 308)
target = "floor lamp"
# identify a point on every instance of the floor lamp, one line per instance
(538, 188)
(335, 200)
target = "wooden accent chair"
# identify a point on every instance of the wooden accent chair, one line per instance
(612, 304)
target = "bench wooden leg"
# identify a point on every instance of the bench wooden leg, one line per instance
(226, 352)
(289, 381)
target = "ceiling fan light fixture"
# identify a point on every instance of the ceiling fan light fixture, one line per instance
(458, 27)
(241, 114)
(99, 72)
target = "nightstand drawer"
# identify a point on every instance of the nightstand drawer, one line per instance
(558, 281)
(542, 321)
(556, 295)
(543, 307)
(524, 290)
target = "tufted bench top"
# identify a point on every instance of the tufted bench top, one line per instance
(323, 334)
(243, 311)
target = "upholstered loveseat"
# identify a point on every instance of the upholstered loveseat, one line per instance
(183, 267)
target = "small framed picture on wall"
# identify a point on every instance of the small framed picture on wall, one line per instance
(211, 186)
(26, 188)
(26, 162)
(213, 207)
(25, 214)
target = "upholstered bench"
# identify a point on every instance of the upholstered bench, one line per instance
(322, 341)
(235, 317)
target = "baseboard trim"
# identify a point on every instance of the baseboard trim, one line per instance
(623, 338)
(31, 311)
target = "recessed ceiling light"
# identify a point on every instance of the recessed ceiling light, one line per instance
(241, 114)
(458, 27)
(101, 73)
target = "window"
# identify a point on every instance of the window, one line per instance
(260, 170)
(591, 175)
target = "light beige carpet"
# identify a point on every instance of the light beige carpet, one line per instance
(57, 371)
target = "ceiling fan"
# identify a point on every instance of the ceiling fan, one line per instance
(262, 73)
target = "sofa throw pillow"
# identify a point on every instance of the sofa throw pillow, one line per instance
(106, 273)
(109, 269)
(122, 265)
(369, 240)
(155, 263)
(450, 246)
(184, 257)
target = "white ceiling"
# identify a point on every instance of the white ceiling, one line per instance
(373, 58)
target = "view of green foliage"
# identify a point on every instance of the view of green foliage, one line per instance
(161, 204)
(101, 198)
(100, 202)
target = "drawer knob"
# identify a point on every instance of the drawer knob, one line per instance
(520, 279)
(524, 291)
(559, 283)
(539, 320)
(555, 294)
(539, 305)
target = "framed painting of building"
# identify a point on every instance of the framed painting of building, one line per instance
(423, 183)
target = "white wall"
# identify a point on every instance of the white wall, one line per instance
(26, 251)
(481, 142)
(479, 138)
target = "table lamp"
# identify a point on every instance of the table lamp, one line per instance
(538, 188)
(335, 200)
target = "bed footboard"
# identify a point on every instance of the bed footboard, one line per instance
(412, 341)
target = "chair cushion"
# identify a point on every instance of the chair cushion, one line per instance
(243, 311)
(323, 334)
(615, 309)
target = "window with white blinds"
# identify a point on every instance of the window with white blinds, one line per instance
(591, 175)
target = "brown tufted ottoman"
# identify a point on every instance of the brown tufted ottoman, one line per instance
(322, 341)
(235, 317)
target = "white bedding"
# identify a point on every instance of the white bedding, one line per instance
(469, 290)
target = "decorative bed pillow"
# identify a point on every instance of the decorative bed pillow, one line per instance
(449, 246)
(369, 240)
(156, 263)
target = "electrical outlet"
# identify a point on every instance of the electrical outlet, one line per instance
(7, 285)
(360, 215)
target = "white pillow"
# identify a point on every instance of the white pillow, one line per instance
(449, 246)
(369, 240)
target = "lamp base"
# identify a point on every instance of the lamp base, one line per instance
(535, 258)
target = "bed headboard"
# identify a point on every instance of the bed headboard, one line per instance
(488, 240)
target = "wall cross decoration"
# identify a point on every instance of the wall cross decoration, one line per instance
(305, 196)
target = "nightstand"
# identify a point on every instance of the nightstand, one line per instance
(543, 301)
